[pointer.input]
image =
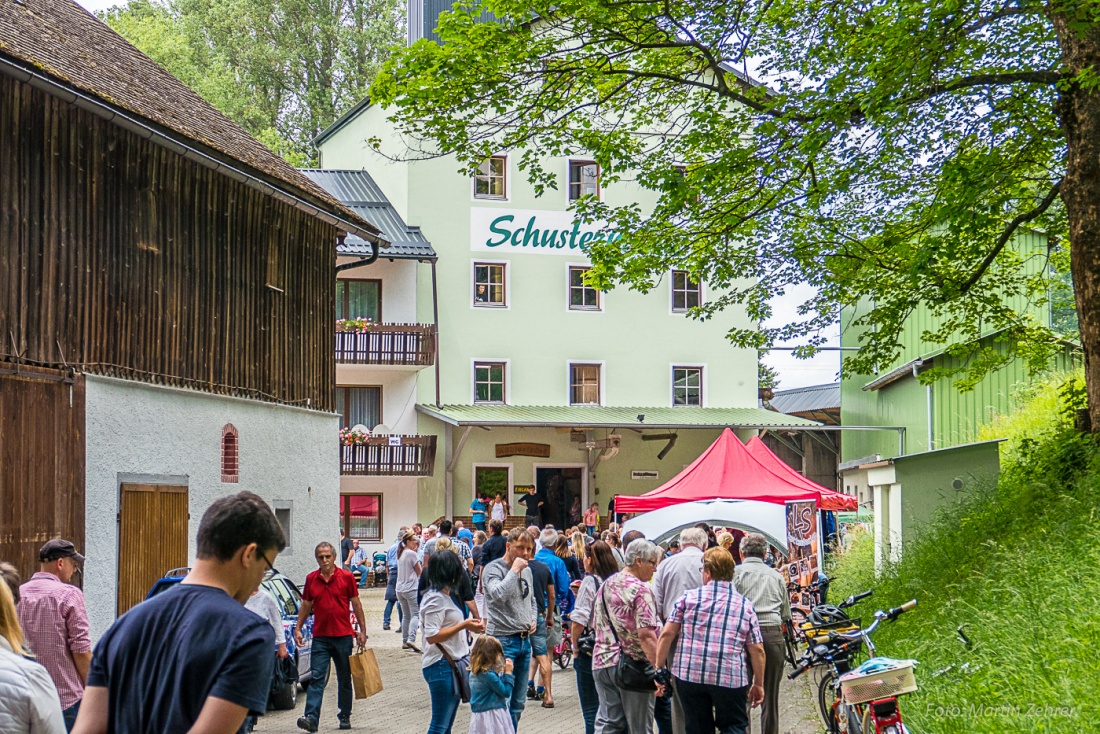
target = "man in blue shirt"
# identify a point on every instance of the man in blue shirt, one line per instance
(560, 579)
(391, 582)
(477, 512)
(193, 658)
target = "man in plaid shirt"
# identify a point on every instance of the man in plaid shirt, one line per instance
(717, 625)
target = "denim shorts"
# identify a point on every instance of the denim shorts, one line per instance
(538, 637)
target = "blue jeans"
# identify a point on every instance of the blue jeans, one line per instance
(363, 571)
(586, 691)
(387, 613)
(337, 650)
(518, 650)
(441, 686)
(69, 715)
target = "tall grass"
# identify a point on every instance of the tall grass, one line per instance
(1019, 563)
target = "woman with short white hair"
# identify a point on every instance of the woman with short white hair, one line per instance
(626, 623)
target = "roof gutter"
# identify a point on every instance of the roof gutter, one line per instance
(148, 132)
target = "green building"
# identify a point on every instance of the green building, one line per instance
(926, 455)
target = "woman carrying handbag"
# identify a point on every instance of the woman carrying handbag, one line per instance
(600, 565)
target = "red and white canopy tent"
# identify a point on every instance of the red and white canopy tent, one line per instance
(728, 470)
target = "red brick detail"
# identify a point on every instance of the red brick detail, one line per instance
(230, 456)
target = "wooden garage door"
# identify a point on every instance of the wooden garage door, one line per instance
(152, 538)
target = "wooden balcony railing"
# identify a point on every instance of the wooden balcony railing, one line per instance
(390, 456)
(391, 344)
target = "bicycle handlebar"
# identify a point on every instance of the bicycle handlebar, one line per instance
(898, 611)
(854, 598)
(797, 672)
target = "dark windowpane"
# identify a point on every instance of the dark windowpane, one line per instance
(687, 386)
(359, 406)
(489, 285)
(489, 382)
(583, 179)
(362, 515)
(359, 299)
(685, 291)
(581, 295)
(489, 182)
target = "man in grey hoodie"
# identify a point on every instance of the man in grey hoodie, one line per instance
(510, 608)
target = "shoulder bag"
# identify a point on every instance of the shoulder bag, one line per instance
(630, 674)
(461, 670)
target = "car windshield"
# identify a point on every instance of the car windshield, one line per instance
(284, 593)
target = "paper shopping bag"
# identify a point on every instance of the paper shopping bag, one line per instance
(365, 675)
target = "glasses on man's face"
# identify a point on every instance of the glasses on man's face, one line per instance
(270, 572)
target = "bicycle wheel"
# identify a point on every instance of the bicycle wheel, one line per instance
(790, 647)
(826, 700)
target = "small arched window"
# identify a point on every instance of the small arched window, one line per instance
(230, 455)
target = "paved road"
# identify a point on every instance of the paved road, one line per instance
(404, 707)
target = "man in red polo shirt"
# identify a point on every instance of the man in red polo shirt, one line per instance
(326, 595)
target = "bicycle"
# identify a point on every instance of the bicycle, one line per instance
(804, 630)
(860, 700)
(563, 653)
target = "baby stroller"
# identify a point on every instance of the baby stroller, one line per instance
(380, 569)
(563, 653)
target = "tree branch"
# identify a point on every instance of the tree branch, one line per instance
(1006, 235)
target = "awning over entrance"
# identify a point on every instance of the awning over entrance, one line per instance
(599, 416)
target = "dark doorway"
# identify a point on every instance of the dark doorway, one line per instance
(560, 489)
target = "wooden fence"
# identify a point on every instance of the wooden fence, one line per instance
(390, 456)
(391, 344)
(41, 462)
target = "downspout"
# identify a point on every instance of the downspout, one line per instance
(361, 262)
(928, 406)
(435, 328)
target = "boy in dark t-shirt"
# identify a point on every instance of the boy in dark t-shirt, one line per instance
(193, 657)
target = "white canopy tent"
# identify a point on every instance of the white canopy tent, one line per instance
(767, 518)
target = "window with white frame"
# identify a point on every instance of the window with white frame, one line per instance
(687, 386)
(489, 383)
(584, 384)
(582, 296)
(584, 179)
(686, 293)
(491, 178)
(489, 284)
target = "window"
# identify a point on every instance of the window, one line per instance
(359, 299)
(492, 480)
(361, 516)
(490, 179)
(230, 456)
(582, 297)
(489, 284)
(584, 179)
(283, 510)
(489, 382)
(687, 386)
(359, 406)
(584, 384)
(686, 293)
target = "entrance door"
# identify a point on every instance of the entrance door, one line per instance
(152, 538)
(561, 488)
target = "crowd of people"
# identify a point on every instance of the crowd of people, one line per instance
(681, 639)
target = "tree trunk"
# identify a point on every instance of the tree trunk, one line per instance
(1079, 116)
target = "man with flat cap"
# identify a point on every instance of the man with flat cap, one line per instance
(55, 623)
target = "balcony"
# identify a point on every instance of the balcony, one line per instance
(407, 345)
(389, 456)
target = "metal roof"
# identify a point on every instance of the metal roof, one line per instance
(594, 416)
(807, 399)
(359, 193)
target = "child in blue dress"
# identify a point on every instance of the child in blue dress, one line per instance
(491, 682)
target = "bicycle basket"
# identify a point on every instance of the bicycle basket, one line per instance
(862, 687)
(819, 635)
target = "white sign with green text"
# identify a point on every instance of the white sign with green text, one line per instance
(533, 230)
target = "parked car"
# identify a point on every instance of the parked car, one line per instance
(283, 590)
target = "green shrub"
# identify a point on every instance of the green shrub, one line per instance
(1018, 564)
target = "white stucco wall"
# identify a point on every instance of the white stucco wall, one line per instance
(138, 432)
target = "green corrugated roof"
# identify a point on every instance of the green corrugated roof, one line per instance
(604, 416)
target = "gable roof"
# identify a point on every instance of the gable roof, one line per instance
(360, 193)
(57, 41)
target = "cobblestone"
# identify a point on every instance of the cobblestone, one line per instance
(403, 705)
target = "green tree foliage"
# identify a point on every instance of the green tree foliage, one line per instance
(894, 152)
(283, 69)
(767, 376)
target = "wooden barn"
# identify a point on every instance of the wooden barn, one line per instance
(167, 293)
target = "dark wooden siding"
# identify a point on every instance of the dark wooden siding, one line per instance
(120, 257)
(41, 462)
